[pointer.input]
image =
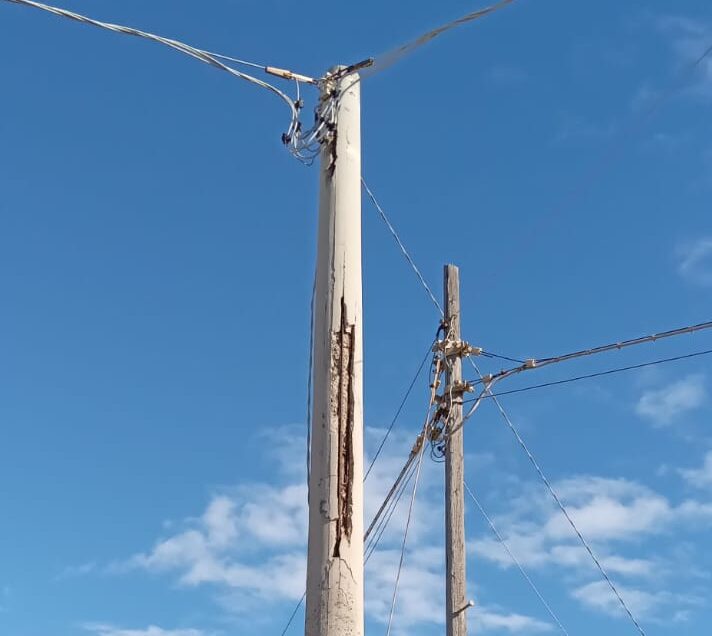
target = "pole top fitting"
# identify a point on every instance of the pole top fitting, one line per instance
(340, 70)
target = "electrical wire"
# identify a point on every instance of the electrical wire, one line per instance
(626, 343)
(416, 270)
(561, 506)
(301, 143)
(371, 539)
(294, 613)
(380, 522)
(402, 247)
(489, 354)
(405, 541)
(385, 60)
(596, 375)
(420, 442)
(398, 412)
(516, 561)
(374, 540)
(535, 363)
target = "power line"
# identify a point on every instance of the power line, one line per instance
(405, 540)
(596, 375)
(416, 270)
(563, 509)
(203, 56)
(380, 528)
(627, 343)
(301, 143)
(383, 61)
(380, 522)
(375, 532)
(398, 412)
(516, 561)
(489, 354)
(537, 363)
(402, 247)
(294, 613)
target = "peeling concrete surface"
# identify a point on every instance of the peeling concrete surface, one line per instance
(342, 409)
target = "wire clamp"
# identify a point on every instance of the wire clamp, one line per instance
(530, 364)
(458, 388)
(456, 348)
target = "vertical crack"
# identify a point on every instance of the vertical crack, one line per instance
(342, 408)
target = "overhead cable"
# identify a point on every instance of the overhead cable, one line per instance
(626, 343)
(294, 613)
(405, 540)
(402, 247)
(383, 61)
(589, 376)
(378, 525)
(537, 363)
(489, 354)
(561, 507)
(300, 143)
(374, 540)
(398, 412)
(516, 561)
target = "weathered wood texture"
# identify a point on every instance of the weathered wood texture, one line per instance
(456, 589)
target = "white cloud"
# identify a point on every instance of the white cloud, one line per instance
(219, 547)
(613, 515)
(249, 544)
(420, 595)
(695, 264)
(110, 630)
(660, 607)
(664, 406)
(488, 621)
(700, 477)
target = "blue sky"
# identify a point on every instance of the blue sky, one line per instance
(156, 257)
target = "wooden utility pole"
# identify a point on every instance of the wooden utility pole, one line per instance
(334, 601)
(456, 605)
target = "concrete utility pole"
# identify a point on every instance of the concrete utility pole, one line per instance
(455, 604)
(334, 602)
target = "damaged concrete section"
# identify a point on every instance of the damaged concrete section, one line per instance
(342, 412)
